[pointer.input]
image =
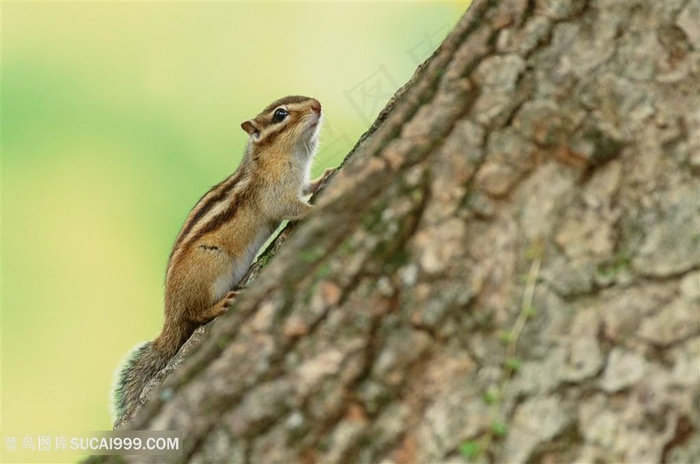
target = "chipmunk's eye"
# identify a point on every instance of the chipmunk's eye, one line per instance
(280, 114)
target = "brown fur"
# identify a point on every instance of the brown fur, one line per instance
(223, 231)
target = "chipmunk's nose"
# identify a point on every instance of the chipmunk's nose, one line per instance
(316, 106)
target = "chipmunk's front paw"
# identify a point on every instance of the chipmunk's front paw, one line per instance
(316, 184)
(326, 174)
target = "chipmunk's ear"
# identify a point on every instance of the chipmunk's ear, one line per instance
(250, 128)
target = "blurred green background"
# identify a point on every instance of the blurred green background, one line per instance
(116, 118)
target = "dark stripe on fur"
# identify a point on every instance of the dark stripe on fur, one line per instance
(202, 210)
(283, 101)
(218, 221)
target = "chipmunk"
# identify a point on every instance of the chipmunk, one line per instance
(225, 230)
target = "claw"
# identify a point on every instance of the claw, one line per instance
(316, 184)
(230, 298)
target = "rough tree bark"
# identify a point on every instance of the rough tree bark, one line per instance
(506, 269)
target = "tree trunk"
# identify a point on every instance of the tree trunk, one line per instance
(506, 268)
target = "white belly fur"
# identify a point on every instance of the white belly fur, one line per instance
(239, 265)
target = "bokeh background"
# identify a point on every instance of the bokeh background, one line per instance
(116, 118)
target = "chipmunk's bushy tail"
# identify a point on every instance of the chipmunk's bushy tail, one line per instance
(140, 366)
